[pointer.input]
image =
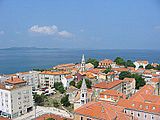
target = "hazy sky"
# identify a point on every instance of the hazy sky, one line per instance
(102, 24)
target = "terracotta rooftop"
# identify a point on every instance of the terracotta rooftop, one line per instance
(55, 73)
(113, 93)
(15, 80)
(129, 79)
(156, 80)
(107, 61)
(69, 77)
(142, 106)
(2, 118)
(102, 111)
(56, 117)
(109, 85)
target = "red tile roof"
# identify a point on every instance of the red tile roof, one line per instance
(56, 117)
(109, 85)
(15, 80)
(102, 111)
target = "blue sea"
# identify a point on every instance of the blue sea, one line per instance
(24, 59)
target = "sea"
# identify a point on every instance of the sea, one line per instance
(14, 60)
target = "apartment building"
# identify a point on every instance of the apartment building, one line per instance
(48, 78)
(15, 98)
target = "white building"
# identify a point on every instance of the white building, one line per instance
(15, 98)
(66, 80)
(140, 63)
(31, 77)
(48, 78)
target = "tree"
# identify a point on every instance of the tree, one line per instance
(158, 67)
(107, 70)
(149, 66)
(119, 61)
(39, 99)
(50, 119)
(88, 84)
(55, 103)
(72, 83)
(129, 63)
(93, 61)
(124, 74)
(139, 80)
(59, 86)
(65, 101)
(140, 66)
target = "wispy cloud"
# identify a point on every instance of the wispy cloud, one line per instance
(50, 30)
(1, 32)
(157, 27)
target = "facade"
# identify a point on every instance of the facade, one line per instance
(143, 105)
(111, 96)
(31, 77)
(15, 98)
(66, 80)
(142, 63)
(129, 85)
(48, 78)
(102, 86)
(105, 63)
(83, 96)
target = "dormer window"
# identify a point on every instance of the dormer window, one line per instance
(153, 108)
(146, 107)
(133, 104)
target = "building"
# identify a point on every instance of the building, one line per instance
(111, 96)
(53, 116)
(83, 96)
(142, 63)
(15, 98)
(102, 86)
(48, 78)
(83, 65)
(143, 104)
(105, 63)
(100, 111)
(31, 77)
(66, 80)
(129, 85)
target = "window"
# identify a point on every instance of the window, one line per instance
(145, 116)
(82, 95)
(152, 117)
(88, 119)
(132, 104)
(146, 107)
(153, 108)
(138, 114)
(81, 118)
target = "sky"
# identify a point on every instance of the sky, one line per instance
(86, 24)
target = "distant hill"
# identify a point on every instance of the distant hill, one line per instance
(29, 48)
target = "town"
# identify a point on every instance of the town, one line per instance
(88, 90)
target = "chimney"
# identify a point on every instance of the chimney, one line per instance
(11, 78)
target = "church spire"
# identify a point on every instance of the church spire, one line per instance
(82, 69)
(83, 95)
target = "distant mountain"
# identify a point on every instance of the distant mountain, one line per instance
(29, 48)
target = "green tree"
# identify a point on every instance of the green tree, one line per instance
(129, 63)
(65, 101)
(50, 119)
(55, 103)
(149, 66)
(59, 86)
(140, 66)
(119, 61)
(107, 70)
(139, 80)
(88, 84)
(39, 99)
(72, 83)
(93, 61)
(158, 67)
(124, 74)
